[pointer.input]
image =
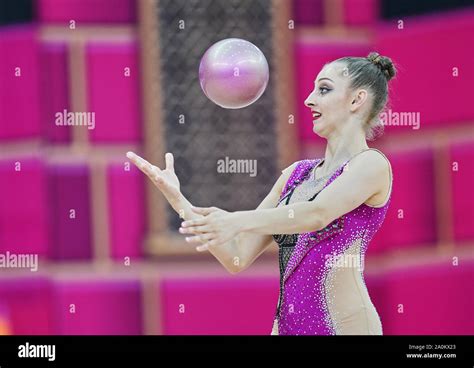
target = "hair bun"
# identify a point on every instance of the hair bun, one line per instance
(385, 64)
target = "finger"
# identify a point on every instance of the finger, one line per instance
(137, 160)
(192, 223)
(204, 210)
(194, 230)
(210, 243)
(202, 248)
(147, 168)
(158, 179)
(203, 238)
(169, 161)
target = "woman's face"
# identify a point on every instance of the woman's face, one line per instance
(330, 100)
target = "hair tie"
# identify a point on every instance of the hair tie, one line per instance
(375, 59)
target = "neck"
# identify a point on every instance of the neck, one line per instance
(342, 145)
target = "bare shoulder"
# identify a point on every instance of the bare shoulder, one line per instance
(371, 161)
(374, 165)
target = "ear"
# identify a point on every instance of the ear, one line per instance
(358, 99)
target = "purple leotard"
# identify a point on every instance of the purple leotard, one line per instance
(322, 288)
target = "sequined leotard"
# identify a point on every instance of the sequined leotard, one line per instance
(322, 288)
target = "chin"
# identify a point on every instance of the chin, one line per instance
(318, 130)
(317, 126)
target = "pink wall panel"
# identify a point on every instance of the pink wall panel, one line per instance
(70, 211)
(5, 319)
(100, 307)
(54, 90)
(19, 83)
(462, 182)
(218, 305)
(375, 283)
(104, 11)
(126, 197)
(426, 50)
(28, 299)
(24, 207)
(411, 217)
(429, 300)
(361, 12)
(308, 12)
(113, 96)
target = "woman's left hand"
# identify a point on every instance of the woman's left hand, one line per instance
(216, 227)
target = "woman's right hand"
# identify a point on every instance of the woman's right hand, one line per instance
(165, 180)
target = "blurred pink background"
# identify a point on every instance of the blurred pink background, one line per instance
(419, 267)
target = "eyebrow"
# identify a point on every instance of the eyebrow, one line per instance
(320, 79)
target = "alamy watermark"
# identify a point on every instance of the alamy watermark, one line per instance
(239, 166)
(343, 261)
(13, 260)
(404, 118)
(37, 351)
(66, 118)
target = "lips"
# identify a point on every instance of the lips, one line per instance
(316, 114)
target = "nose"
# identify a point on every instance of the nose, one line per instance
(309, 102)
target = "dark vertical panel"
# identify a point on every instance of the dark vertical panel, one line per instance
(16, 11)
(210, 132)
(398, 8)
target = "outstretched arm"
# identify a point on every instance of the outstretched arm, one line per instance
(240, 251)
(167, 182)
(364, 178)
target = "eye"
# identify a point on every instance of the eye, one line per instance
(323, 90)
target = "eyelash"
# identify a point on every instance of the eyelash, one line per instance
(323, 93)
